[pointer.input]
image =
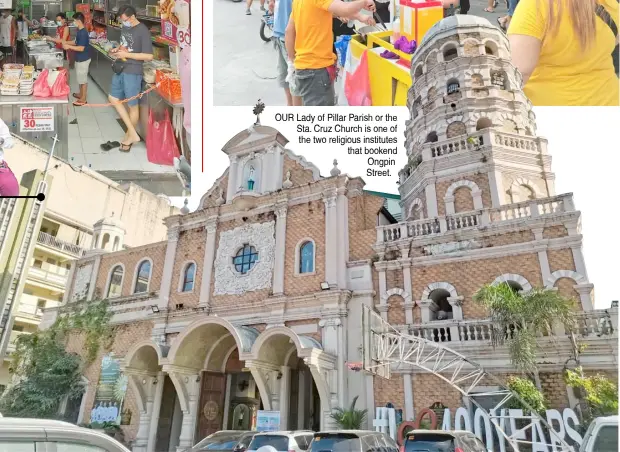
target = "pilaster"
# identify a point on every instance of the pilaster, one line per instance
(70, 283)
(285, 396)
(496, 186)
(207, 267)
(93, 278)
(159, 391)
(580, 263)
(457, 314)
(426, 307)
(543, 258)
(585, 294)
(430, 193)
(408, 390)
(167, 272)
(232, 179)
(342, 207)
(331, 239)
(333, 343)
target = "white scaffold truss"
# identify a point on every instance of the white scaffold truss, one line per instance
(385, 347)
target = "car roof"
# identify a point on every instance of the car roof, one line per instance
(285, 432)
(27, 422)
(443, 432)
(350, 432)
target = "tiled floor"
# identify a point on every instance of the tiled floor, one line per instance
(97, 125)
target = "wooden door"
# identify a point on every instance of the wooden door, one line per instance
(212, 398)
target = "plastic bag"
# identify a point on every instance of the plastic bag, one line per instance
(60, 88)
(342, 46)
(357, 85)
(161, 146)
(40, 87)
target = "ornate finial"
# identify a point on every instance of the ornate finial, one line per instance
(185, 209)
(258, 109)
(335, 171)
(287, 183)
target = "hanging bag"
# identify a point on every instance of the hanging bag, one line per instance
(161, 146)
(357, 85)
(602, 13)
(41, 88)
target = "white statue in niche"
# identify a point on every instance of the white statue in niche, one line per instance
(251, 179)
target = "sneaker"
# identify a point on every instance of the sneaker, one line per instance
(262, 8)
(248, 12)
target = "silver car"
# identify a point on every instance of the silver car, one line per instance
(43, 435)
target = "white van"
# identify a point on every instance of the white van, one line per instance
(602, 435)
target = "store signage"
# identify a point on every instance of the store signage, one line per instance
(267, 421)
(175, 21)
(36, 119)
(564, 423)
(6, 4)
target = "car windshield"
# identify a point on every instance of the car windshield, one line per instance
(221, 441)
(339, 442)
(278, 442)
(429, 442)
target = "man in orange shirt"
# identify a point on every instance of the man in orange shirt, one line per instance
(309, 44)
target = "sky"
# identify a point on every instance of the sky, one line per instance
(581, 143)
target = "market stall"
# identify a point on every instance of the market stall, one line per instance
(167, 37)
(35, 119)
(382, 57)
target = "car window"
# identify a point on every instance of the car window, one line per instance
(370, 443)
(607, 439)
(336, 442)
(473, 443)
(309, 439)
(215, 441)
(245, 441)
(227, 444)
(429, 442)
(76, 447)
(301, 442)
(16, 446)
(278, 442)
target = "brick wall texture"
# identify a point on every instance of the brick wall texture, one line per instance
(442, 186)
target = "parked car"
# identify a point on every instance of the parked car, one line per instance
(601, 436)
(224, 441)
(291, 441)
(442, 441)
(43, 435)
(352, 441)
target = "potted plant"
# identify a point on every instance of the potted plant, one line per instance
(351, 418)
(113, 430)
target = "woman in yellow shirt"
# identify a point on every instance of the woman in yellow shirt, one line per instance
(563, 49)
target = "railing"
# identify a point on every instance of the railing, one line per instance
(61, 245)
(591, 324)
(57, 278)
(468, 220)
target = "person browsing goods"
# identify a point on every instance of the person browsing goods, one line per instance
(8, 33)
(281, 10)
(309, 45)
(135, 48)
(81, 47)
(62, 31)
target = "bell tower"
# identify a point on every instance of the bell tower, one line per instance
(471, 139)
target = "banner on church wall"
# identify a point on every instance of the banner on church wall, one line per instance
(268, 421)
(565, 425)
(110, 394)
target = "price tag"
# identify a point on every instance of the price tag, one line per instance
(36, 119)
(184, 37)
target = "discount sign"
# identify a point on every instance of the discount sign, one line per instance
(36, 119)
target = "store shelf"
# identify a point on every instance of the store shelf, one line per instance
(149, 18)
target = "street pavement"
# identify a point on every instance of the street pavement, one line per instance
(245, 66)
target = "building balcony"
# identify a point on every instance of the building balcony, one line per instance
(11, 345)
(504, 215)
(53, 276)
(56, 244)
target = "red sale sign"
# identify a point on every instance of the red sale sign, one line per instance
(36, 119)
(175, 21)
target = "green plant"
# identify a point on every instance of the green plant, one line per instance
(531, 395)
(518, 318)
(351, 418)
(44, 373)
(601, 394)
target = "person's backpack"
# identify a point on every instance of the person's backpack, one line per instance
(606, 17)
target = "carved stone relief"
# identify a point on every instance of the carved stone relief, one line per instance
(230, 282)
(451, 247)
(82, 282)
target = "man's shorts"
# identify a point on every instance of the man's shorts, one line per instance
(125, 86)
(283, 66)
(512, 5)
(315, 87)
(81, 71)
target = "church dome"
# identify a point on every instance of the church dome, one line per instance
(454, 22)
(110, 221)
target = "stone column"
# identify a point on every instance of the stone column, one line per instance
(144, 425)
(227, 401)
(382, 284)
(66, 296)
(477, 196)
(331, 240)
(585, 294)
(580, 263)
(168, 270)
(383, 311)
(431, 198)
(333, 343)
(457, 314)
(343, 237)
(496, 184)
(407, 385)
(449, 203)
(409, 304)
(280, 252)
(159, 391)
(285, 397)
(93, 279)
(271, 182)
(207, 263)
(232, 179)
(426, 306)
(301, 401)
(188, 426)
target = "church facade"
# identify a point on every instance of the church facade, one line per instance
(254, 301)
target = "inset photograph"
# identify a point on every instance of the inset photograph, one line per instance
(102, 86)
(370, 53)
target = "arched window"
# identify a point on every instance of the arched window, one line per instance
(306, 258)
(188, 277)
(117, 242)
(115, 285)
(431, 137)
(106, 240)
(245, 259)
(143, 276)
(450, 52)
(483, 123)
(453, 86)
(490, 48)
